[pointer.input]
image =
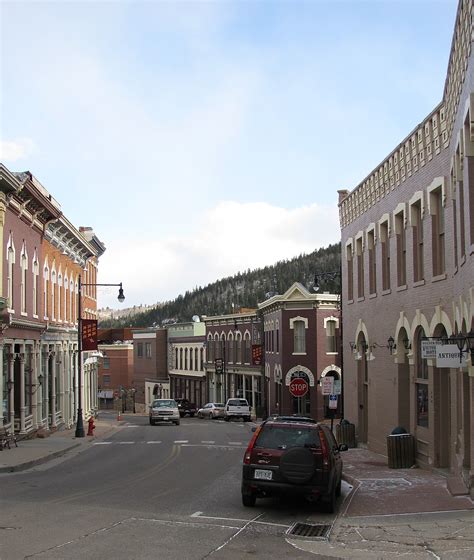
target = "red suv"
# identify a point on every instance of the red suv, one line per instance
(293, 455)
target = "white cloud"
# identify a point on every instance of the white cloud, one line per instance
(13, 150)
(231, 238)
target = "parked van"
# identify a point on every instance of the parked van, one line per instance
(237, 408)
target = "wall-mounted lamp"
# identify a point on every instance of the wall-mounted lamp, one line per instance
(392, 345)
(353, 346)
(465, 344)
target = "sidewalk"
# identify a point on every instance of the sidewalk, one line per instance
(397, 512)
(32, 452)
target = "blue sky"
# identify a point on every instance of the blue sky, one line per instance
(200, 139)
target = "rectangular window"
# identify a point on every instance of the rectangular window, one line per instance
(299, 337)
(331, 336)
(140, 349)
(437, 229)
(106, 379)
(360, 268)
(418, 249)
(401, 249)
(462, 222)
(350, 273)
(385, 243)
(148, 351)
(455, 236)
(372, 262)
(106, 362)
(278, 340)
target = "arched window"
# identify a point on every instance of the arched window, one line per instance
(247, 348)
(35, 285)
(210, 348)
(176, 358)
(196, 362)
(24, 268)
(66, 298)
(185, 358)
(421, 372)
(180, 358)
(45, 290)
(202, 359)
(72, 301)
(60, 289)
(230, 348)
(331, 336)
(10, 263)
(53, 294)
(238, 353)
(191, 359)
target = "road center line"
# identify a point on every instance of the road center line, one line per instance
(153, 441)
(102, 443)
(235, 443)
(208, 442)
(125, 442)
(181, 441)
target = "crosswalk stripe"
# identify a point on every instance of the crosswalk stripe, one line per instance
(235, 443)
(153, 441)
(181, 441)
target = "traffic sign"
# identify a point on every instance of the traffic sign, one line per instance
(298, 387)
(116, 394)
(332, 402)
(327, 385)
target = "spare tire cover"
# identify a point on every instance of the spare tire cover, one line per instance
(297, 465)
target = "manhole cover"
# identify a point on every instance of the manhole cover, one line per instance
(309, 530)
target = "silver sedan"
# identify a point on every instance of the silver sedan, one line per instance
(211, 410)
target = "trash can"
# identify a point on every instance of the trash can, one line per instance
(400, 451)
(345, 433)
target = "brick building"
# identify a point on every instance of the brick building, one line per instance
(115, 374)
(408, 270)
(150, 366)
(236, 341)
(301, 340)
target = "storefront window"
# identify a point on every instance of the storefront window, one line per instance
(421, 385)
(239, 385)
(28, 379)
(5, 400)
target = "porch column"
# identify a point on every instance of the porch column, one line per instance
(11, 392)
(22, 391)
(45, 387)
(53, 389)
(36, 385)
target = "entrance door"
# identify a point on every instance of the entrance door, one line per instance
(363, 398)
(442, 427)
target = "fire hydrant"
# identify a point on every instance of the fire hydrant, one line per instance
(90, 431)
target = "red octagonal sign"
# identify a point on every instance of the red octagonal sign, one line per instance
(298, 387)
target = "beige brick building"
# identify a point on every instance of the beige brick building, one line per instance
(408, 276)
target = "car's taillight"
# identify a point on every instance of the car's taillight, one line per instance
(248, 451)
(324, 449)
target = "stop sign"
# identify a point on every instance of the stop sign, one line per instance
(298, 387)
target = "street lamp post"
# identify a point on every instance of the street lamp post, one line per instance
(121, 298)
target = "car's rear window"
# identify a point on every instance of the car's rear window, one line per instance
(283, 437)
(238, 402)
(219, 404)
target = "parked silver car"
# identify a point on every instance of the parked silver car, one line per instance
(211, 410)
(164, 410)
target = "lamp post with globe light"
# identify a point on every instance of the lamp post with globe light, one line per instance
(121, 298)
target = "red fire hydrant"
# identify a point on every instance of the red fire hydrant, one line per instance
(90, 431)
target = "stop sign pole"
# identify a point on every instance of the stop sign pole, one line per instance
(298, 388)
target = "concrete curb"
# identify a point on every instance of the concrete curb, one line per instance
(34, 462)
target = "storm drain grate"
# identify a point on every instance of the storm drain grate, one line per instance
(309, 530)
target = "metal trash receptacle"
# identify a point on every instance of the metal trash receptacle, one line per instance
(400, 451)
(345, 433)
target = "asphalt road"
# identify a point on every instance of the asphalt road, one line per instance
(147, 492)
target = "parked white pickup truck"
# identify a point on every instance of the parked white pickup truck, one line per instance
(237, 408)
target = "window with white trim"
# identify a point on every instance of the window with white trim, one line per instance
(401, 248)
(372, 262)
(60, 285)
(45, 290)
(437, 229)
(385, 244)
(24, 269)
(331, 345)
(418, 243)
(35, 285)
(53, 295)
(10, 263)
(299, 337)
(247, 348)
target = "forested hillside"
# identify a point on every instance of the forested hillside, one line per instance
(245, 289)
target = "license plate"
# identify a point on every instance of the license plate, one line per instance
(262, 474)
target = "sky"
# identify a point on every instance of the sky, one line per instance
(202, 139)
